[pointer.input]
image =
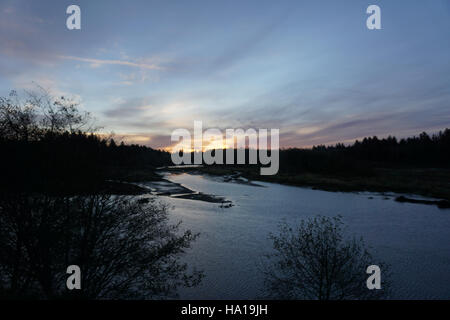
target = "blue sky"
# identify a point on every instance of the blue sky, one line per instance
(310, 68)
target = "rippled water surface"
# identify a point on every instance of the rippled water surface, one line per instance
(413, 238)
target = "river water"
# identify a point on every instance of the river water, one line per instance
(414, 239)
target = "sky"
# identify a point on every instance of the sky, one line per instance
(311, 69)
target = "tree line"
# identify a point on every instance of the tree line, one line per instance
(54, 211)
(361, 157)
(48, 144)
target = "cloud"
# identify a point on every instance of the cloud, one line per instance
(101, 62)
(132, 108)
(348, 129)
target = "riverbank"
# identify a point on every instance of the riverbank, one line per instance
(434, 183)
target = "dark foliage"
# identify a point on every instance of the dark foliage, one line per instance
(46, 146)
(125, 248)
(360, 158)
(317, 261)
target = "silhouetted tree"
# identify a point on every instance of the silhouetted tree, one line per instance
(316, 261)
(39, 113)
(125, 248)
(55, 210)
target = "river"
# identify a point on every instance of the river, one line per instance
(414, 239)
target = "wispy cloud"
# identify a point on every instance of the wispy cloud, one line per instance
(100, 62)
